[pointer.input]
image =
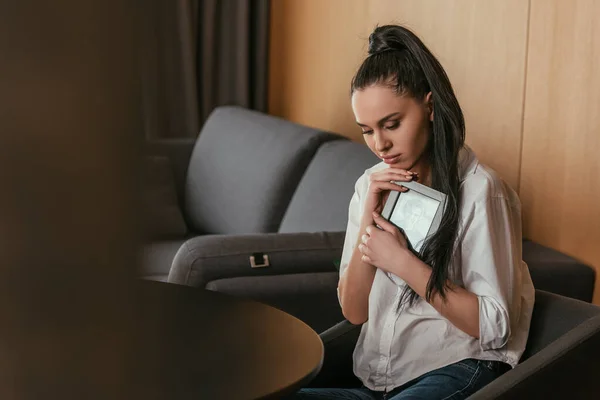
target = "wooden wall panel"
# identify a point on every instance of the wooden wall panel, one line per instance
(560, 186)
(525, 72)
(317, 46)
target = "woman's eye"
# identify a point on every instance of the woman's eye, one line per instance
(367, 132)
(392, 126)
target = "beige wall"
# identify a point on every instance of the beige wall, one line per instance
(523, 73)
(560, 184)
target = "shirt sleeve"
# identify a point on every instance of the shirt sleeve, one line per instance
(354, 215)
(491, 267)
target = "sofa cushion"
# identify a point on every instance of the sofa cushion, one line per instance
(162, 215)
(321, 201)
(559, 273)
(157, 257)
(244, 169)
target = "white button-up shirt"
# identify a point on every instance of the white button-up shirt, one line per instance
(396, 344)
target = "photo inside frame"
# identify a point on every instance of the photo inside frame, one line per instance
(414, 212)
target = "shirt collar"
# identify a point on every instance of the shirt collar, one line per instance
(467, 163)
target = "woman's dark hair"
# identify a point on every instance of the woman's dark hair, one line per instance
(399, 59)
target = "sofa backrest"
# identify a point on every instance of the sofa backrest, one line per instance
(321, 201)
(559, 273)
(244, 169)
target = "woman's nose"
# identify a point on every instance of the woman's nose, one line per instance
(382, 144)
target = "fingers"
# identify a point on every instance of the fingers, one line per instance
(385, 224)
(392, 175)
(379, 186)
(364, 238)
(364, 249)
(396, 170)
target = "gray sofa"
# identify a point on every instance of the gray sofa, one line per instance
(257, 190)
(237, 178)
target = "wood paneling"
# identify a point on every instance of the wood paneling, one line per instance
(317, 46)
(560, 186)
(525, 73)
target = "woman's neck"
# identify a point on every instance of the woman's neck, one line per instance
(423, 169)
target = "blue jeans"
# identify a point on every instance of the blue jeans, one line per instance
(453, 382)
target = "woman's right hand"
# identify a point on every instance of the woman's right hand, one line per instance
(380, 185)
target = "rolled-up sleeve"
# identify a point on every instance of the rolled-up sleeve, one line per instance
(491, 257)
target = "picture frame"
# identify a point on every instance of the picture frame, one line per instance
(416, 212)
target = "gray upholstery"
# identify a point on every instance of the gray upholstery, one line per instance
(553, 316)
(157, 254)
(211, 257)
(321, 201)
(301, 279)
(561, 360)
(157, 258)
(244, 170)
(567, 369)
(559, 273)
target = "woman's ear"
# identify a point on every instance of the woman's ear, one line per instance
(429, 105)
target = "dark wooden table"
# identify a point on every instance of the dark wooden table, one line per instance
(207, 345)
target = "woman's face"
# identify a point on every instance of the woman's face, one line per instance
(396, 128)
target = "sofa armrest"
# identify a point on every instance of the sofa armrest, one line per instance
(213, 257)
(554, 316)
(337, 331)
(565, 367)
(301, 278)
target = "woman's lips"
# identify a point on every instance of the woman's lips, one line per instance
(391, 159)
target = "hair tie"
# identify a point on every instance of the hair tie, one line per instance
(383, 51)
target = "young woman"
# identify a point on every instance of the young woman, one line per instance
(442, 323)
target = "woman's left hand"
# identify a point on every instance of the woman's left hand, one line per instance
(384, 248)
